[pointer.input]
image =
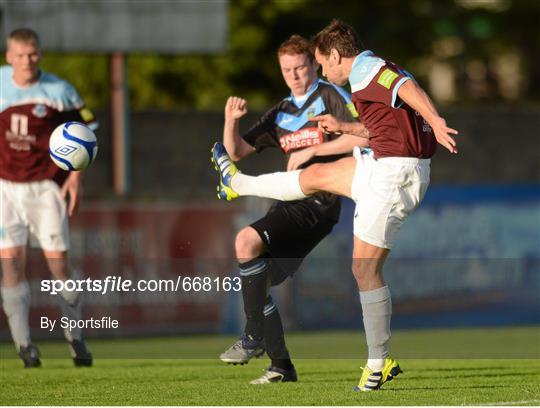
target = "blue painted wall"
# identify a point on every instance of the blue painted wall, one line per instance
(469, 255)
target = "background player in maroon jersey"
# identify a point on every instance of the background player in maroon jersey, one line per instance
(272, 248)
(33, 189)
(386, 183)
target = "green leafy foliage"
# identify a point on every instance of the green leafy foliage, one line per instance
(407, 32)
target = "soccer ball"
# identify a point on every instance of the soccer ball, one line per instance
(73, 146)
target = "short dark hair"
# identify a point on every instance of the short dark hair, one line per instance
(24, 35)
(338, 35)
(296, 44)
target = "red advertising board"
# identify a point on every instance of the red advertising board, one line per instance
(179, 260)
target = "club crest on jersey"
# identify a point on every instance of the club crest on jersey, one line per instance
(301, 138)
(39, 111)
(316, 108)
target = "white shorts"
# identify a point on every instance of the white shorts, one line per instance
(386, 191)
(34, 210)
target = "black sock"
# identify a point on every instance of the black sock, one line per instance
(254, 275)
(274, 337)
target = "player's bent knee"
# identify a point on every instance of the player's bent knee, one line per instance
(58, 264)
(315, 178)
(13, 252)
(60, 255)
(367, 272)
(358, 274)
(334, 177)
(248, 245)
(13, 262)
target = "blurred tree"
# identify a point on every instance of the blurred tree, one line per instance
(248, 68)
(89, 74)
(485, 50)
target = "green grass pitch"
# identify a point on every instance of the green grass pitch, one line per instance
(442, 367)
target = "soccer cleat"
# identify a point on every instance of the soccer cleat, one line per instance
(373, 380)
(81, 356)
(30, 356)
(274, 375)
(242, 351)
(226, 169)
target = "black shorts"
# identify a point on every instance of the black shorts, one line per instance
(290, 230)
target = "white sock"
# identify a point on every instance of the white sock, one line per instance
(283, 186)
(377, 312)
(70, 307)
(16, 303)
(376, 364)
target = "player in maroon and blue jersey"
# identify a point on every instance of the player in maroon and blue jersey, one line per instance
(34, 190)
(272, 248)
(387, 182)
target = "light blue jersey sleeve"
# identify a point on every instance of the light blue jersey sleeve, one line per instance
(365, 66)
(61, 93)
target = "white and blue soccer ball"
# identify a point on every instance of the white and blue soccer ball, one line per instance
(73, 146)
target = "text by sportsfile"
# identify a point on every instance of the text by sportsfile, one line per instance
(104, 322)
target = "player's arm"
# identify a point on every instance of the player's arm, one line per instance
(343, 144)
(341, 113)
(330, 124)
(72, 191)
(414, 96)
(237, 147)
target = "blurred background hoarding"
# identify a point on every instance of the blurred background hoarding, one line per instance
(101, 26)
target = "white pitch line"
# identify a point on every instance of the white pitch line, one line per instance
(509, 403)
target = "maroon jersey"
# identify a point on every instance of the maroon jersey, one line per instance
(27, 118)
(396, 129)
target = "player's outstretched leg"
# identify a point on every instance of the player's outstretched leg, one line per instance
(283, 186)
(226, 169)
(372, 380)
